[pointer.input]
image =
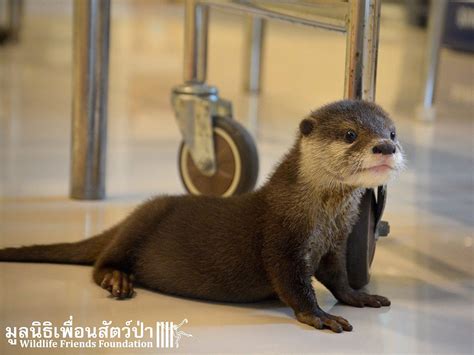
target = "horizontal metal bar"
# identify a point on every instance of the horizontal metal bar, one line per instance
(325, 14)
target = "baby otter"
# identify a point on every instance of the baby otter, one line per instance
(266, 243)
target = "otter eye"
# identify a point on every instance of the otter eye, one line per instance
(393, 135)
(350, 136)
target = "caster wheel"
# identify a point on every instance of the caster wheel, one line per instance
(361, 243)
(236, 160)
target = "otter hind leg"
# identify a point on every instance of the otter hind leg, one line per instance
(114, 268)
(112, 271)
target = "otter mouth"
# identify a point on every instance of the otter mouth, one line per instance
(380, 168)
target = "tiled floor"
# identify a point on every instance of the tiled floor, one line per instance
(425, 266)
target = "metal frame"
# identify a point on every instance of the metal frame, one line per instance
(196, 24)
(11, 30)
(195, 103)
(15, 14)
(359, 19)
(361, 49)
(325, 14)
(253, 53)
(436, 22)
(89, 105)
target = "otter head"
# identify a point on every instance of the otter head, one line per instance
(351, 143)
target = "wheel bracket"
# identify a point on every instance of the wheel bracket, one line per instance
(195, 106)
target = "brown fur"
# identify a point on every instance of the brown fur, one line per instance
(246, 248)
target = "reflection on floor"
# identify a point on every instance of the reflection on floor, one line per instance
(425, 266)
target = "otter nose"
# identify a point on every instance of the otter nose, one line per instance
(384, 149)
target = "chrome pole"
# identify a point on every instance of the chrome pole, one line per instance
(253, 53)
(371, 46)
(361, 68)
(195, 42)
(89, 102)
(435, 34)
(361, 49)
(15, 8)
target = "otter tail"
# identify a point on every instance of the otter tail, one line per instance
(84, 252)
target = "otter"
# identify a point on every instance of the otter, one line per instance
(267, 243)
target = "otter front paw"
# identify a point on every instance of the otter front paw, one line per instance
(362, 299)
(118, 283)
(320, 319)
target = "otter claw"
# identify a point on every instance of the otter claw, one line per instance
(321, 320)
(118, 283)
(362, 299)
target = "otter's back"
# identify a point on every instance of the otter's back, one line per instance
(208, 248)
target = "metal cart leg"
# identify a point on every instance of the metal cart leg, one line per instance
(194, 102)
(11, 31)
(360, 77)
(361, 49)
(14, 11)
(89, 104)
(203, 117)
(253, 53)
(435, 33)
(195, 42)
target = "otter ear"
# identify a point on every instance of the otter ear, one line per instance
(307, 126)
